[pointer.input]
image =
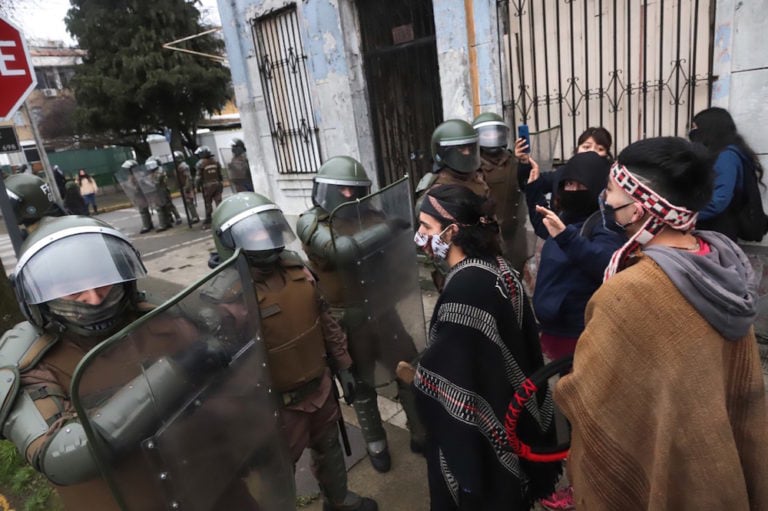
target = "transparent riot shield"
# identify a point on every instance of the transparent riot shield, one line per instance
(178, 406)
(384, 315)
(128, 181)
(148, 186)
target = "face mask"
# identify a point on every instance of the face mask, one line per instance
(87, 319)
(577, 203)
(608, 213)
(434, 246)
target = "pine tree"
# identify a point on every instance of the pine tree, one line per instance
(129, 86)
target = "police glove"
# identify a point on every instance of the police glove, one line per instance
(348, 385)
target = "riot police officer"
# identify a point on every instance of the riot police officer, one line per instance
(239, 170)
(208, 178)
(164, 204)
(299, 333)
(333, 252)
(499, 168)
(31, 199)
(186, 185)
(129, 181)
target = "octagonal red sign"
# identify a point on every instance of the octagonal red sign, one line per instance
(17, 78)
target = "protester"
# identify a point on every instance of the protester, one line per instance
(88, 189)
(666, 398)
(483, 344)
(715, 129)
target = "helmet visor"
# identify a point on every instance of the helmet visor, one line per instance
(464, 158)
(77, 263)
(329, 196)
(493, 135)
(264, 229)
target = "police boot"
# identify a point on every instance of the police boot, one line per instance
(415, 426)
(331, 474)
(164, 218)
(146, 220)
(367, 411)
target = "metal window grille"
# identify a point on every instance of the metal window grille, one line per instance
(638, 68)
(284, 80)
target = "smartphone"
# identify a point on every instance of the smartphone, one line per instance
(522, 132)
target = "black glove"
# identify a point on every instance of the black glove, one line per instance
(348, 385)
(201, 359)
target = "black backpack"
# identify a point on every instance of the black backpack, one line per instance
(751, 220)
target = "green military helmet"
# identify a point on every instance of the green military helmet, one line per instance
(492, 132)
(31, 197)
(178, 156)
(253, 223)
(340, 179)
(238, 146)
(129, 164)
(75, 254)
(454, 145)
(203, 152)
(152, 163)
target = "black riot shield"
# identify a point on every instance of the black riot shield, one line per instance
(384, 315)
(178, 406)
(129, 182)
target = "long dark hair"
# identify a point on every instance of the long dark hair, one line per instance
(478, 234)
(80, 178)
(716, 130)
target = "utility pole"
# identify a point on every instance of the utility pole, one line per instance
(43, 156)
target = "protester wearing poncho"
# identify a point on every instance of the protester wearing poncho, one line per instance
(482, 344)
(666, 398)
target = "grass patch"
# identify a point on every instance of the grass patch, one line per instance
(25, 489)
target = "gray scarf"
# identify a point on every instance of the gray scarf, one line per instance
(721, 285)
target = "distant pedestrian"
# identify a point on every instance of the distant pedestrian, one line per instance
(88, 189)
(61, 180)
(666, 398)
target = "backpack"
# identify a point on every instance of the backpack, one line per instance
(751, 220)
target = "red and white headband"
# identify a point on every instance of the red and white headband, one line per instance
(662, 213)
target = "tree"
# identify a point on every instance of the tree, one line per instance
(129, 86)
(57, 123)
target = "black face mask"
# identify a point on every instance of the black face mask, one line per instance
(609, 216)
(577, 203)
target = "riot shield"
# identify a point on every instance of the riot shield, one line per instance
(178, 406)
(543, 146)
(129, 183)
(148, 186)
(384, 315)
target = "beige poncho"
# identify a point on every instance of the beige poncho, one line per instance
(666, 414)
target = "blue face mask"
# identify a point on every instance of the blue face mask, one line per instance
(608, 213)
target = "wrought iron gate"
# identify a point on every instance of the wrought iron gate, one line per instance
(400, 58)
(284, 80)
(639, 68)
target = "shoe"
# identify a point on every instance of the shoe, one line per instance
(560, 500)
(417, 447)
(205, 227)
(161, 229)
(195, 221)
(178, 221)
(365, 504)
(381, 461)
(145, 230)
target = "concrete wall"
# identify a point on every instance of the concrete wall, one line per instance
(328, 33)
(741, 64)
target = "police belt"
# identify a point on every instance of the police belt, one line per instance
(297, 395)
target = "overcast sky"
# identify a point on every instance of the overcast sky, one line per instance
(44, 19)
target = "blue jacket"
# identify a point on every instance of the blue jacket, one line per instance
(729, 169)
(571, 269)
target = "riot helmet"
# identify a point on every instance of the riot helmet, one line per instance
(340, 179)
(152, 164)
(454, 145)
(30, 197)
(178, 156)
(238, 147)
(203, 152)
(491, 131)
(104, 262)
(129, 164)
(253, 223)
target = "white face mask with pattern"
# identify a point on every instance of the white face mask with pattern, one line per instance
(433, 245)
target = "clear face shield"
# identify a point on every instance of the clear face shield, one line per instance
(261, 229)
(462, 157)
(331, 195)
(75, 263)
(493, 136)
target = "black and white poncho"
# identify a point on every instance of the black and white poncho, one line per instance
(483, 343)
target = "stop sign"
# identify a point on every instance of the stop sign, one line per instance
(17, 78)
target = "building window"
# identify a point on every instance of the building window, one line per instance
(285, 82)
(46, 78)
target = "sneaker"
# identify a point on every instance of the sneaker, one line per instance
(560, 500)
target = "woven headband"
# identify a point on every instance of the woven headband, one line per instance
(662, 213)
(435, 208)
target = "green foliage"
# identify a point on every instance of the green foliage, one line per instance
(21, 484)
(129, 84)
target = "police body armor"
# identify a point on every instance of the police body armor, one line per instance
(209, 171)
(291, 326)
